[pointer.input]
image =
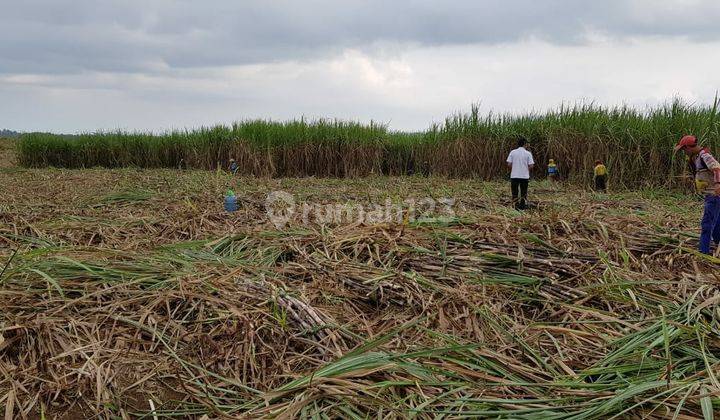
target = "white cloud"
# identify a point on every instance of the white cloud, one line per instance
(409, 88)
(68, 65)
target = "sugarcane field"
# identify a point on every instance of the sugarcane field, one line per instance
(360, 209)
(133, 291)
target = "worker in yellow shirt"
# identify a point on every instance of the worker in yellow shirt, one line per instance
(600, 176)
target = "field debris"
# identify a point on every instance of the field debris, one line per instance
(146, 299)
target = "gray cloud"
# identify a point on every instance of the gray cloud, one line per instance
(421, 85)
(63, 36)
(86, 64)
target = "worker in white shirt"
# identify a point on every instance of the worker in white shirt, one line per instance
(520, 161)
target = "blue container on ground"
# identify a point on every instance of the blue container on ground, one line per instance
(231, 203)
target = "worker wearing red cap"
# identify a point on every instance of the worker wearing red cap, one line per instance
(706, 170)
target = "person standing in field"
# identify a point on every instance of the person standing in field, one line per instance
(706, 171)
(552, 170)
(600, 176)
(233, 168)
(520, 161)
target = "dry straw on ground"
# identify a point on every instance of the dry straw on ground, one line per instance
(132, 290)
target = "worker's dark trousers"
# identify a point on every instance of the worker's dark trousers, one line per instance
(710, 224)
(519, 187)
(601, 182)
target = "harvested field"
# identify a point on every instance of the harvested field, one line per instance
(133, 294)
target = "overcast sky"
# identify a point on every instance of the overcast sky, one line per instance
(81, 65)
